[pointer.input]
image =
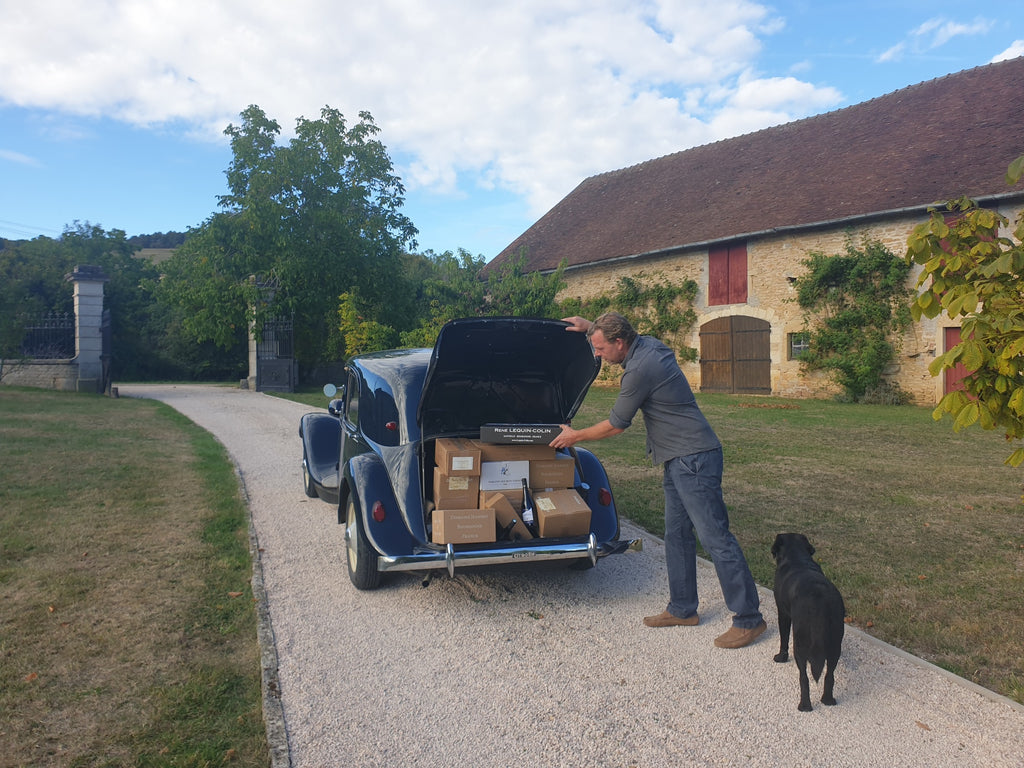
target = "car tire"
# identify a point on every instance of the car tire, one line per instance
(360, 557)
(307, 481)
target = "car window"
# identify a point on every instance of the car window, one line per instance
(352, 399)
(380, 417)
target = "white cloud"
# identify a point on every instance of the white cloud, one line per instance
(535, 95)
(932, 34)
(1016, 49)
(17, 157)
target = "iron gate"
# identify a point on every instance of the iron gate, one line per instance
(275, 357)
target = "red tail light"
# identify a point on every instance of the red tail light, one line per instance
(391, 426)
(604, 496)
(378, 512)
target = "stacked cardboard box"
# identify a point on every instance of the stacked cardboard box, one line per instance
(488, 478)
(458, 517)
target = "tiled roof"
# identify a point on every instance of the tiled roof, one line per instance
(909, 149)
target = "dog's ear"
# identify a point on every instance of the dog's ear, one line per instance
(775, 547)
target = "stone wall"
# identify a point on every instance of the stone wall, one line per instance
(773, 260)
(47, 374)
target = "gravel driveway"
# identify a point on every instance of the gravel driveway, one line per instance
(548, 666)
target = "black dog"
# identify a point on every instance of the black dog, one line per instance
(809, 602)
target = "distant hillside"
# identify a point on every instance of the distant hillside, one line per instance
(155, 255)
(158, 241)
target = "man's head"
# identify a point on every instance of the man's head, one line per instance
(611, 336)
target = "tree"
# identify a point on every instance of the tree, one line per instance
(315, 218)
(854, 302)
(976, 275)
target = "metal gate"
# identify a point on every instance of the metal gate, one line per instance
(275, 357)
(735, 356)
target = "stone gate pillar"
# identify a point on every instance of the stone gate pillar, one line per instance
(88, 324)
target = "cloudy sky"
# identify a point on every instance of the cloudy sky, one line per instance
(113, 111)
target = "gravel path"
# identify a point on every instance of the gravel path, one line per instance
(547, 666)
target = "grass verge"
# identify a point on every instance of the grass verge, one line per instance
(920, 528)
(128, 630)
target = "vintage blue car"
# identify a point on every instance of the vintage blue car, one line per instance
(372, 453)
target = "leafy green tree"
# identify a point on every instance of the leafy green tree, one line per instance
(314, 218)
(976, 274)
(855, 303)
(450, 287)
(32, 281)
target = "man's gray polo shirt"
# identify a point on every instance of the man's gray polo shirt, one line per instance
(653, 383)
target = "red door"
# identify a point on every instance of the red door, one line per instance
(955, 375)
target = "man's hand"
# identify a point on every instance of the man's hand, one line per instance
(570, 436)
(578, 324)
(567, 439)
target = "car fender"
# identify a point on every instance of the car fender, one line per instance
(604, 518)
(321, 449)
(367, 478)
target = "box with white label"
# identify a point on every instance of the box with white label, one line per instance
(503, 475)
(455, 491)
(457, 456)
(561, 513)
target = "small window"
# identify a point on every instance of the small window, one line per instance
(799, 343)
(352, 399)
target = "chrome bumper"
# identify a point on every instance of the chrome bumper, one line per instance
(448, 558)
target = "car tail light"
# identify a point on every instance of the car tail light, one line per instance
(391, 426)
(378, 512)
(604, 496)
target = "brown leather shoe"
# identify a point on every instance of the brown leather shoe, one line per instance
(666, 619)
(737, 637)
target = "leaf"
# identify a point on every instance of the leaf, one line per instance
(967, 416)
(1016, 458)
(1015, 171)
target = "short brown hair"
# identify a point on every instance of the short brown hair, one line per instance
(614, 327)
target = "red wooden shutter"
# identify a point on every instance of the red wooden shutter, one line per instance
(727, 274)
(718, 275)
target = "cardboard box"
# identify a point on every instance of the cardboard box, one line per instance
(514, 497)
(463, 526)
(455, 491)
(492, 452)
(561, 513)
(556, 473)
(457, 456)
(503, 475)
(519, 434)
(504, 514)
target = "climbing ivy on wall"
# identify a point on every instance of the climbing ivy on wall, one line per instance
(854, 304)
(655, 306)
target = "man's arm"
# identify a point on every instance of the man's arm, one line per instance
(570, 436)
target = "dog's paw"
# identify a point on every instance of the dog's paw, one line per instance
(828, 701)
(805, 706)
(781, 657)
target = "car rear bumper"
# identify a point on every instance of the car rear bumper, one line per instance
(450, 557)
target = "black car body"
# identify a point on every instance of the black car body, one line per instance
(372, 453)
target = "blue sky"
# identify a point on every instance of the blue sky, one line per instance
(112, 112)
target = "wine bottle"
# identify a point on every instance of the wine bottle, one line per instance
(529, 516)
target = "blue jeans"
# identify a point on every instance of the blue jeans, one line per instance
(694, 503)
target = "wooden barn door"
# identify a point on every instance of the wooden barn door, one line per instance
(735, 356)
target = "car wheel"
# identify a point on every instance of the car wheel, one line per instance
(360, 556)
(307, 481)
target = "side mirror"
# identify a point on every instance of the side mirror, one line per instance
(335, 407)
